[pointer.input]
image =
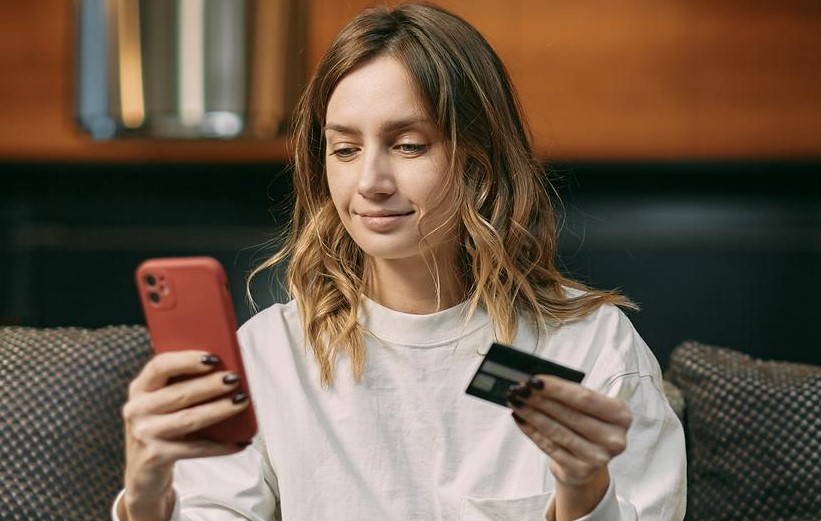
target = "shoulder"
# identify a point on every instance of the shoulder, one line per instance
(606, 345)
(272, 323)
(272, 344)
(605, 321)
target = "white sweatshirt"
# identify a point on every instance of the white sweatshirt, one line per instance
(407, 443)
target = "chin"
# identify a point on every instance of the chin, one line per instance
(385, 254)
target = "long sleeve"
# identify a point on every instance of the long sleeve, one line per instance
(241, 486)
(648, 480)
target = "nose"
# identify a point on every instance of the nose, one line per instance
(375, 178)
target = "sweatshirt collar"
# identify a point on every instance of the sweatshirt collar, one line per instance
(441, 327)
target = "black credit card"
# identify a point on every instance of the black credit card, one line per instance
(504, 366)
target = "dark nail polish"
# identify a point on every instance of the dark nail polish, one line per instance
(518, 418)
(515, 402)
(535, 383)
(209, 359)
(518, 390)
(243, 444)
(239, 398)
(230, 379)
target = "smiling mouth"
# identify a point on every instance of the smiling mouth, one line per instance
(383, 222)
(377, 215)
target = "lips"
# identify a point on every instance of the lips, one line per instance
(383, 213)
(383, 220)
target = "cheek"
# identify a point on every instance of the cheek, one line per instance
(339, 194)
(435, 193)
(442, 203)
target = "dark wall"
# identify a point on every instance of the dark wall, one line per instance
(728, 254)
(723, 253)
(72, 235)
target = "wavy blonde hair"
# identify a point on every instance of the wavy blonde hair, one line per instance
(507, 224)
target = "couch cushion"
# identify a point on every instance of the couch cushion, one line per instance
(753, 435)
(61, 441)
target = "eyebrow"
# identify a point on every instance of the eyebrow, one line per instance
(390, 126)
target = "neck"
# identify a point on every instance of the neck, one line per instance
(405, 286)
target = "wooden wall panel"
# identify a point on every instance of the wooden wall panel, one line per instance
(628, 80)
(663, 79)
(34, 81)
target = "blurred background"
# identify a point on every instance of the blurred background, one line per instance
(683, 136)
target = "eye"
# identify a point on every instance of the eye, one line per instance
(412, 149)
(343, 152)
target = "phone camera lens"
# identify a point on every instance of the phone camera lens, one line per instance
(150, 279)
(154, 297)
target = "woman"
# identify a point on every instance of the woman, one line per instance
(422, 232)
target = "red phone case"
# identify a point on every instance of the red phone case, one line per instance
(187, 305)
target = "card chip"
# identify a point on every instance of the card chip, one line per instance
(484, 382)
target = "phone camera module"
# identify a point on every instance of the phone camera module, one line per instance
(150, 280)
(154, 297)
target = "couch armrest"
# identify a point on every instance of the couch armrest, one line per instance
(753, 434)
(61, 436)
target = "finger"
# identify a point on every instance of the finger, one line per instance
(571, 468)
(160, 369)
(547, 446)
(179, 424)
(181, 395)
(562, 437)
(585, 400)
(612, 437)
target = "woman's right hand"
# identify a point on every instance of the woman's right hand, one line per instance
(162, 417)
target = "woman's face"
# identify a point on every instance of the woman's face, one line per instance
(386, 166)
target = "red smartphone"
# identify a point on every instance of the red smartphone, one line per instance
(187, 305)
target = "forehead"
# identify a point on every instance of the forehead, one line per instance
(380, 89)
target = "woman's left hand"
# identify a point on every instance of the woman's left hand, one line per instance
(581, 430)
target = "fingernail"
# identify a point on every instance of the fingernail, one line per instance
(239, 398)
(243, 443)
(230, 379)
(515, 402)
(209, 359)
(518, 390)
(518, 418)
(535, 383)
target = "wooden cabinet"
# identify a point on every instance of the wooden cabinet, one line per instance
(628, 80)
